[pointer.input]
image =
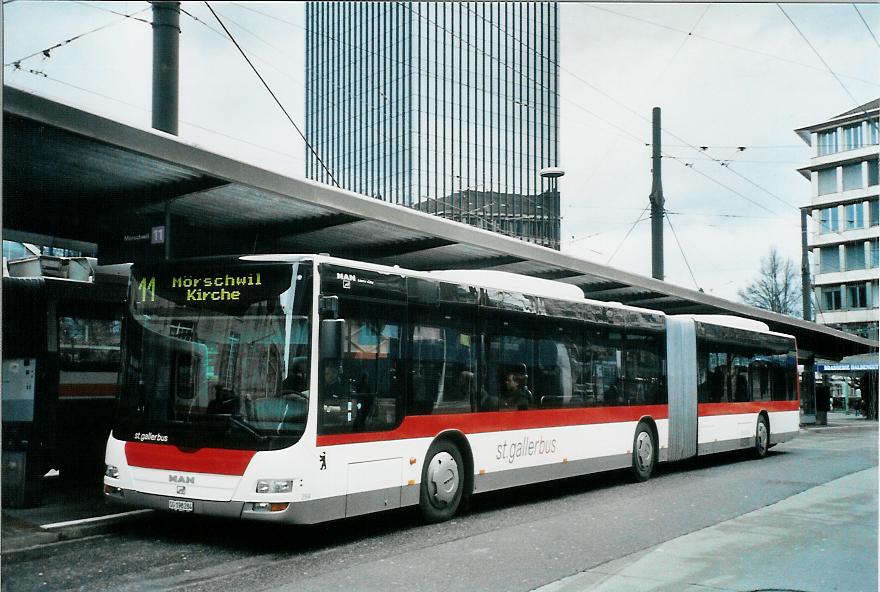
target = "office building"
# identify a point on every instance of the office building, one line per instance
(843, 174)
(448, 108)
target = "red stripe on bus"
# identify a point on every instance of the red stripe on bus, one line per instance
(203, 460)
(87, 390)
(707, 409)
(426, 426)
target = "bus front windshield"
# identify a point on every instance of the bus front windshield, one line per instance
(216, 355)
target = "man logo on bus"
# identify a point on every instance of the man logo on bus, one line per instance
(182, 479)
(347, 279)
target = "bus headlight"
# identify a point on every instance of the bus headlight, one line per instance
(111, 471)
(275, 486)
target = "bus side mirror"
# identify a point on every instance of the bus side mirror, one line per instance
(328, 306)
(331, 339)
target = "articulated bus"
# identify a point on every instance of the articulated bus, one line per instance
(302, 388)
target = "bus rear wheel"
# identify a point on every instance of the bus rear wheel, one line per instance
(442, 482)
(643, 454)
(762, 438)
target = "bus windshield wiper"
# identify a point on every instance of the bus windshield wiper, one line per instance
(237, 420)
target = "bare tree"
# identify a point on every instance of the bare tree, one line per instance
(778, 287)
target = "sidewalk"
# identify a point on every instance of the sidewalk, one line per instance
(821, 540)
(67, 512)
(838, 420)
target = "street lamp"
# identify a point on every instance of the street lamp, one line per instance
(553, 173)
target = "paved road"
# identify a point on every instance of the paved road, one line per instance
(516, 540)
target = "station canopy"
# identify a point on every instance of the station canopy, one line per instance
(139, 193)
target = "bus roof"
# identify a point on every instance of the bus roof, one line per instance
(497, 280)
(736, 323)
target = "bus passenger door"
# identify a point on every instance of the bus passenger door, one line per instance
(681, 352)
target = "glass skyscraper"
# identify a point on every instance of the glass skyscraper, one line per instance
(449, 108)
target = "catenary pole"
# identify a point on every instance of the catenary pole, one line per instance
(166, 81)
(166, 65)
(805, 269)
(656, 201)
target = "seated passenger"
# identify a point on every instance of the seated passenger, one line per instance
(612, 394)
(514, 394)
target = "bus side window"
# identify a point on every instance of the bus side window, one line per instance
(604, 357)
(510, 350)
(644, 382)
(555, 371)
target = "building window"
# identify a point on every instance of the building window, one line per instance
(831, 298)
(875, 253)
(852, 176)
(874, 212)
(828, 220)
(866, 330)
(872, 132)
(852, 136)
(873, 172)
(855, 216)
(827, 142)
(857, 296)
(827, 181)
(855, 256)
(829, 259)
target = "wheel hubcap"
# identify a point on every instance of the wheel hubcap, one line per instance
(762, 435)
(443, 477)
(644, 450)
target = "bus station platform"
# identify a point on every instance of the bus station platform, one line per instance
(74, 511)
(67, 512)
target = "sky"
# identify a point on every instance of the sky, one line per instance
(737, 79)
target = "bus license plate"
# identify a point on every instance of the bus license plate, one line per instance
(180, 506)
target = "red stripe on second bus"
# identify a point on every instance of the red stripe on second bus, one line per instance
(426, 426)
(707, 409)
(203, 460)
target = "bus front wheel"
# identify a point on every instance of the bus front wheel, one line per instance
(643, 454)
(442, 482)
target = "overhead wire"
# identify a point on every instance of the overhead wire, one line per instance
(626, 132)
(743, 196)
(463, 212)
(111, 11)
(821, 59)
(253, 54)
(719, 42)
(46, 52)
(861, 16)
(538, 84)
(147, 110)
(656, 78)
(636, 113)
(693, 147)
(680, 248)
(631, 228)
(392, 59)
(272, 93)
